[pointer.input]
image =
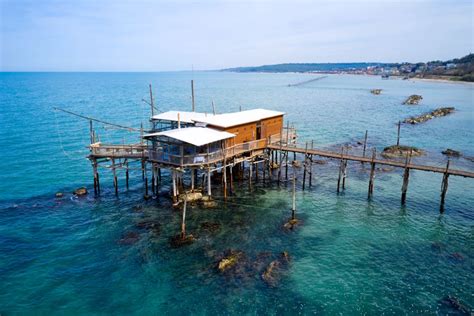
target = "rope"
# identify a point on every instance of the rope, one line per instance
(61, 140)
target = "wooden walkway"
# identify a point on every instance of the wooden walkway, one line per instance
(330, 154)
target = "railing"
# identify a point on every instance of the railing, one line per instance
(215, 156)
(122, 151)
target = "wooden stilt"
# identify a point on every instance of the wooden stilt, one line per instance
(311, 167)
(231, 180)
(365, 144)
(126, 175)
(153, 178)
(183, 220)
(372, 175)
(224, 175)
(192, 179)
(94, 167)
(444, 188)
(304, 164)
(175, 192)
(286, 156)
(280, 160)
(209, 181)
(344, 171)
(115, 176)
(256, 171)
(250, 174)
(340, 170)
(406, 176)
(143, 169)
(398, 133)
(293, 208)
(146, 181)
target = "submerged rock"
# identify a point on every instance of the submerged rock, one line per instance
(211, 226)
(180, 240)
(208, 202)
(428, 116)
(414, 99)
(451, 153)
(454, 303)
(272, 274)
(190, 196)
(230, 260)
(80, 192)
(395, 151)
(129, 238)
(59, 195)
(376, 91)
(148, 224)
(292, 223)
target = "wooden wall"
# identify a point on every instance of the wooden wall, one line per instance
(272, 126)
(248, 132)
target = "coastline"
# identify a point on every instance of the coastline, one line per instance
(442, 81)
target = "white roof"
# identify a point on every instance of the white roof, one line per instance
(185, 117)
(238, 118)
(196, 136)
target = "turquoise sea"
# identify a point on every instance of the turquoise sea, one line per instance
(349, 256)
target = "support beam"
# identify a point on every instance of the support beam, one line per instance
(398, 133)
(372, 175)
(406, 176)
(365, 144)
(305, 162)
(293, 208)
(115, 176)
(444, 188)
(286, 156)
(183, 220)
(126, 175)
(209, 181)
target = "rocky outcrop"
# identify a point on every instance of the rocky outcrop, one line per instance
(376, 91)
(395, 151)
(230, 260)
(451, 153)
(80, 192)
(272, 273)
(414, 99)
(428, 116)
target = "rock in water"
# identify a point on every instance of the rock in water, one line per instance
(273, 272)
(230, 260)
(59, 195)
(180, 240)
(376, 91)
(129, 238)
(395, 151)
(80, 192)
(292, 223)
(211, 226)
(428, 116)
(451, 153)
(414, 99)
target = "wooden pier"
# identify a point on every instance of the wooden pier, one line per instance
(393, 163)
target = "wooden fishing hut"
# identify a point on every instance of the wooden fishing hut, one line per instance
(206, 143)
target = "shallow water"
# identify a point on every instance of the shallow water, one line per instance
(350, 255)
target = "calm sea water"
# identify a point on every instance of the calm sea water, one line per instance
(349, 256)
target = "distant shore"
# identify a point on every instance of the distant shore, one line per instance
(443, 81)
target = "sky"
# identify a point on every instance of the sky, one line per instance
(146, 35)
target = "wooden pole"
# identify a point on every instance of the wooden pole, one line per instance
(224, 175)
(209, 181)
(372, 175)
(94, 167)
(192, 93)
(126, 174)
(280, 160)
(444, 188)
(146, 180)
(192, 179)
(286, 156)
(293, 208)
(344, 171)
(250, 174)
(231, 180)
(152, 178)
(213, 108)
(406, 176)
(256, 171)
(152, 102)
(173, 179)
(340, 170)
(304, 164)
(365, 144)
(398, 133)
(91, 132)
(98, 183)
(183, 219)
(311, 166)
(115, 176)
